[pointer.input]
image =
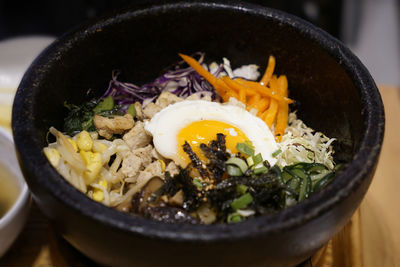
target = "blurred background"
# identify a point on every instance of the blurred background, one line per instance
(369, 27)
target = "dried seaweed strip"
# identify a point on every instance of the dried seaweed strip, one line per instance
(217, 155)
(195, 160)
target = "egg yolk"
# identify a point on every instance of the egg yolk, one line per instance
(205, 131)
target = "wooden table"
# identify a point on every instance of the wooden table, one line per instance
(370, 239)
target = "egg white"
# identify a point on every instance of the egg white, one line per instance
(167, 123)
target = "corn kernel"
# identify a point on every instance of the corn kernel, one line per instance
(103, 183)
(52, 155)
(99, 147)
(93, 164)
(73, 143)
(98, 195)
(162, 165)
(84, 141)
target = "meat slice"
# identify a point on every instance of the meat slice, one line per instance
(109, 126)
(165, 99)
(136, 160)
(137, 137)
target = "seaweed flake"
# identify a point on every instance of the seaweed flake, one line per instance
(217, 155)
(197, 163)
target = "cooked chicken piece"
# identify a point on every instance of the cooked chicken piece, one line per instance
(109, 126)
(177, 199)
(165, 99)
(199, 96)
(137, 137)
(131, 165)
(172, 168)
(151, 109)
(139, 111)
(136, 160)
(152, 170)
(145, 153)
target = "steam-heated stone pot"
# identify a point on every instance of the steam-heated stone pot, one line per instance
(334, 94)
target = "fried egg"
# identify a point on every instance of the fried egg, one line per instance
(199, 121)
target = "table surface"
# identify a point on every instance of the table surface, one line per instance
(377, 244)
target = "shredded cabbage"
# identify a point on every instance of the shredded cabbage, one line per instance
(302, 144)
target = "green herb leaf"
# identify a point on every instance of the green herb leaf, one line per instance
(106, 104)
(131, 110)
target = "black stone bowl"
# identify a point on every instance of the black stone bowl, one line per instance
(335, 94)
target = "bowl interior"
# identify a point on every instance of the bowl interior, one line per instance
(326, 80)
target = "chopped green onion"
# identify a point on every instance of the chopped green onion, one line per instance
(257, 158)
(242, 201)
(106, 104)
(197, 182)
(261, 169)
(241, 189)
(266, 164)
(233, 170)
(250, 161)
(239, 163)
(249, 143)
(131, 110)
(234, 218)
(244, 148)
(276, 153)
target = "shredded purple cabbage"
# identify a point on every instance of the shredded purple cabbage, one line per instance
(180, 80)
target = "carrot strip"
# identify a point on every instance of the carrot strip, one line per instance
(225, 91)
(261, 105)
(270, 114)
(256, 87)
(199, 68)
(233, 84)
(242, 95)
(252, 100)
(268, 71)
(283, 109)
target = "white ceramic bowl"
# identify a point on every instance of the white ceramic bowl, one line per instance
(13, 221)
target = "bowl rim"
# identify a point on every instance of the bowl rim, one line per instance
(347, 181)
(23, 195)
